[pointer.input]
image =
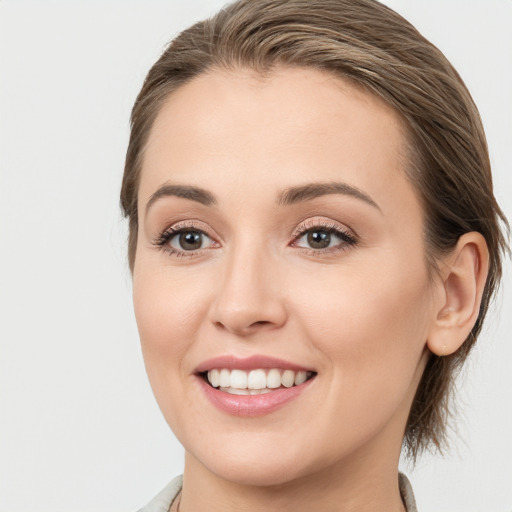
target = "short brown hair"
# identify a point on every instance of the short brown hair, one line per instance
(373, 47)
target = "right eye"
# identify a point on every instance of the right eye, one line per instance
(189, 240)
(184, 240)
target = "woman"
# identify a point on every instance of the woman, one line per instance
(314, 244)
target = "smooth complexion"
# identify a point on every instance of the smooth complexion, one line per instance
(244, 167)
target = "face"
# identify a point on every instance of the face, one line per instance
(280, 247)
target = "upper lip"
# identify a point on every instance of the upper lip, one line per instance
(249, 363)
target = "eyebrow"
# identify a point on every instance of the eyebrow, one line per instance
(301, 193)
(290, 196)
(185, 191)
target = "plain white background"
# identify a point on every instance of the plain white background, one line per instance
(79, 428)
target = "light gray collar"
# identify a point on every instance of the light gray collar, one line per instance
(163, 500)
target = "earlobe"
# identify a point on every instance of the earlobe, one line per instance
(463, 277)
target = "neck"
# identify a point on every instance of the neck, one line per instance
(359, 483)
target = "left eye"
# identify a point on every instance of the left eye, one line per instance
(189, 240)
(322, 239)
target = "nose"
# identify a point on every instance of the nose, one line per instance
(250, 296)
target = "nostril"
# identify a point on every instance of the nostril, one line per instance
(244, 305)
(238, 326)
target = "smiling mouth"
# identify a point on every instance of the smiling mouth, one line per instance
(254, 382)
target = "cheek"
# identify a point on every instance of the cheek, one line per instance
(167, 313)
(167, 303)
(168, 308)
(370, 329)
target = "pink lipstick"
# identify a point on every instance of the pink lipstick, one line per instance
(252, 386)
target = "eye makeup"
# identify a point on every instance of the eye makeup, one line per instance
(313, 236)
(184, 239)
(321, 237)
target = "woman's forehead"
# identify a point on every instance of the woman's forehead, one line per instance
(300, 100)
(231, 130)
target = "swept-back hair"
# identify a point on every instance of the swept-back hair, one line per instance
(374, 48)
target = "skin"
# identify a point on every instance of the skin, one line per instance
(360, 314)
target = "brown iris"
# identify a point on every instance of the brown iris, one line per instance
(190, 240)
(319, 239)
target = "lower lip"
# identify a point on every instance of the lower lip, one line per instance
(252, 405)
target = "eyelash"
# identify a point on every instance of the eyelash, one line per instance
(348, 238)
(162, 241)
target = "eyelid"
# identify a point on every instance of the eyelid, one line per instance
(162, 239)
(191, 225)
(346, 235)
(348, 238)
(322, 223)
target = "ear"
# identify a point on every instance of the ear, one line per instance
(462, 281)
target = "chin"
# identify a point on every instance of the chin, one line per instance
(262, 461)
(256, 473)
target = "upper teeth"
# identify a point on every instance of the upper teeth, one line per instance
(256, 379)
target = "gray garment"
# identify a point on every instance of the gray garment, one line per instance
(406, 493)
(162, 502)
